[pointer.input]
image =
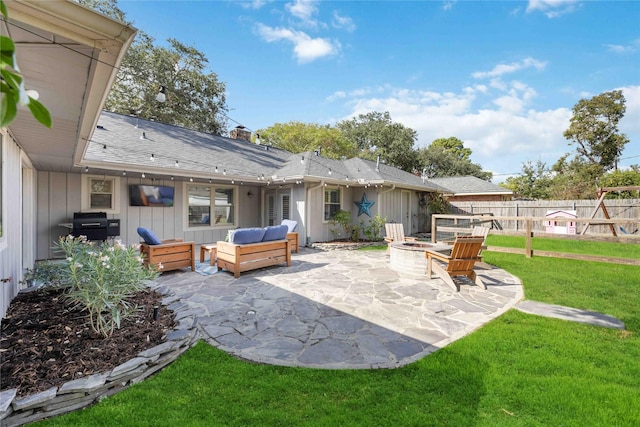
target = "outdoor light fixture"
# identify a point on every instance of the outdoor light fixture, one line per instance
(124, 173)
(152, 157)
(171, 177)
(177, 164)
(143, 175)
(216, 170)
(250, 194)
(162, 96)
(86, 168)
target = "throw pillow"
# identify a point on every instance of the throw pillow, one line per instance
(275, 232)
(149, 236)
(246, 235)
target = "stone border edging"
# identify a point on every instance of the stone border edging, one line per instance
(82, 392)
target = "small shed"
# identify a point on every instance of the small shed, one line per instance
(560, 227)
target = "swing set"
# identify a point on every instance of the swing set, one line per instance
(602, 193)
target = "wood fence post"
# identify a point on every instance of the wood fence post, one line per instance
(527, 249)
(434, 229)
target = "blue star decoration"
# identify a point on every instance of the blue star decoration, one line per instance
(364, 205)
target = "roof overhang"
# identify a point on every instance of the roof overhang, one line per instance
(69, 54)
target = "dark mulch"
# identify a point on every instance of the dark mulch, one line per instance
(45, 341)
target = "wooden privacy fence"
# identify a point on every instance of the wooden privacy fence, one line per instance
(515, 211)
(447, 227)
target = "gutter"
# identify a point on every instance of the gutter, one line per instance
(306, 212)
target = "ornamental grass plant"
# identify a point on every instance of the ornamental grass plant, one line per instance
(101, 277)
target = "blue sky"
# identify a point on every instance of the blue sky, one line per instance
(501, 76)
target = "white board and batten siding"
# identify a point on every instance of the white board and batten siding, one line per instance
(13, 249)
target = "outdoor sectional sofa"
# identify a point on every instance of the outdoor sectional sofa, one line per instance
(253, 248)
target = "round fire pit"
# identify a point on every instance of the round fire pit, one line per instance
(409, 257)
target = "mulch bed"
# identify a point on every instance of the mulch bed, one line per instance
(45, 341)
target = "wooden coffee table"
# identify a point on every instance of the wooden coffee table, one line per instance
(211, 248)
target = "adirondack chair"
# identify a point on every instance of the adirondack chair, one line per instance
(395, 233)
(460, 262)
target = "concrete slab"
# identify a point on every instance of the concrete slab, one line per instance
(568, 313)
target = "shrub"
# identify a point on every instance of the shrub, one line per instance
(101, 279)
(374, 229)
(45, 273)
(341, 223)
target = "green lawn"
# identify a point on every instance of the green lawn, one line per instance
(610, 249)
(519, 370)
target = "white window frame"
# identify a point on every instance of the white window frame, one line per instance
(212, 191)
(340, 196)
(86, 195)
(283, 214)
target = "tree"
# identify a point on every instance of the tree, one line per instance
(454, 146)
(594, 129)
(533, 183)
(12, 84)
(618, 178)
(435, 161)
(194, 96)
(298, 137)
(574, 179)
(376, 134)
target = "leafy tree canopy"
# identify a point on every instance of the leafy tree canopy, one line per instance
(619, 178)
(533, 183)
(195, 98)
(594, 129)
(376, 134)
(437, 161)
(454, 146)
(298, 137)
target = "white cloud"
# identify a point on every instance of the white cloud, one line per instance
(302, 9)
(502, 69)
(629, 48)
(255, 4)
(345, 22)
(501, 138)
(553, 8)
(630, 123)
(305, 48)
(448, 4)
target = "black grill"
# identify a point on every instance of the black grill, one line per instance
(90, 224)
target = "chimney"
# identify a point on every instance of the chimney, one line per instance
(239, 133)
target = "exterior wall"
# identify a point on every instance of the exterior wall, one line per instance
(387, 204)
(11, 247)
(59, 196)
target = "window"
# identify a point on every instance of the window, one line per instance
(100, 193)
(331, 203)
(209, 205)
(286, 206)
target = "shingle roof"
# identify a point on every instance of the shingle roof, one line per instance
(460, 185)
(127, 143)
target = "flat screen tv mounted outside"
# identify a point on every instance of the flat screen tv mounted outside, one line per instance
(151, 195)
